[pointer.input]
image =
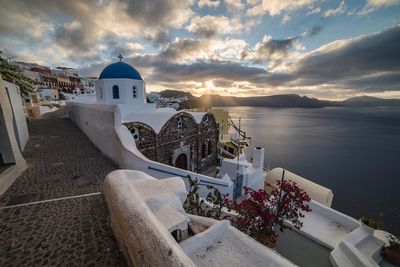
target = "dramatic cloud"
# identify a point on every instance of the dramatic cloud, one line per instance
(226, 46)
(271, 48)
(356, 57)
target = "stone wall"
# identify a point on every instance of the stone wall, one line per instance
(208, 141)
(146, 138)
(180, 133)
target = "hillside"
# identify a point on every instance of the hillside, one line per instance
(276, 101)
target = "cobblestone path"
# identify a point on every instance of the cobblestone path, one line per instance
(53, 214)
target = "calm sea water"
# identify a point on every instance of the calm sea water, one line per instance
(353, 151)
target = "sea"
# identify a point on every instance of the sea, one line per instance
(353, 151)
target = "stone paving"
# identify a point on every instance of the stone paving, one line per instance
(62, 162)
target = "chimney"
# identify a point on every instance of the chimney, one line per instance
(258, 157)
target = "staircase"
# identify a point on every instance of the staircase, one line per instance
(359, 248)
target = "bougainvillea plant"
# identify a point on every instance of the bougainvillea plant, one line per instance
(263, 214)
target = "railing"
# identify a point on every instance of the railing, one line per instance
(187, 177)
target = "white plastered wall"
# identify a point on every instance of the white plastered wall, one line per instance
(104, 91)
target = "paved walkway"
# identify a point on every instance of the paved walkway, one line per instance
(54, 214)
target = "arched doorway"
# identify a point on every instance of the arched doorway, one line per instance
(181, 162)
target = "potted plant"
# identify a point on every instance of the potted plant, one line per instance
(374, 224)
(392, 252)
(263, 214)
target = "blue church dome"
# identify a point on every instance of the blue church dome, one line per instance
(120, 70)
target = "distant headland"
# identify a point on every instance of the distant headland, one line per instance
(275, 101)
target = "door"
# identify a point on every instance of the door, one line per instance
(181, 161)
(238, 186)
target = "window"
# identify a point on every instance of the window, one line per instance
(203, 151)
(179, 124)
(135, 133)
(115, 91)
(134, 91)
(101, 93)
(209, 147)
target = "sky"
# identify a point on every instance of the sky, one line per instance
(325, 49)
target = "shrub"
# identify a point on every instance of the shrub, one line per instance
(196, 205)
(370, 222)
(262, 214)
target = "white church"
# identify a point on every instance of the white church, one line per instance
(181, 143)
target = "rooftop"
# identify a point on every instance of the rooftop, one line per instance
(120, 70)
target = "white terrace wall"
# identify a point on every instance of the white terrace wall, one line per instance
(9, 136)
(102, 124)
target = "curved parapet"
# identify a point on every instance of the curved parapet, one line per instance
(141, 235)
(317, 192)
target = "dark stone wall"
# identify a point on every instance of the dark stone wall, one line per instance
(179, 131)
(208, 141)
(147, 138)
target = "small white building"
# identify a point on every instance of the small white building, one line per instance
(89, 85)
(65, 72)
(154, 97)
(47, 94)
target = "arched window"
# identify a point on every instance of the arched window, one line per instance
(209, 147)
(180, 124)
(134, 91)
(115, 91)
(203, 150)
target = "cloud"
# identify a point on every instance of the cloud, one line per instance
(351, 59)
(209, 26)
(274, 52)
(211, 49)
(78, 26)
(208, 3)
(276, 7)
(73, 36)
(184, 50)
(234, 4)
(285, 19)
(158, 37)
(314, 30)
(337, 11)
(373, 5)
(159, 13)
(314, 11)
(366, 63)
(272, 48)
